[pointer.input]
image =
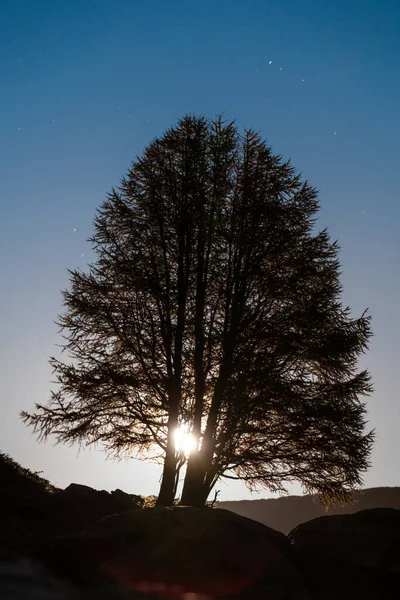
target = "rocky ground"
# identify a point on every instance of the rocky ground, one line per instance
(81, 543)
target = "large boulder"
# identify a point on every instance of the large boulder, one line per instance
(177, 551)
(350, 556)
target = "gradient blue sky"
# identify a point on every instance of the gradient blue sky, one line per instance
(86, 84)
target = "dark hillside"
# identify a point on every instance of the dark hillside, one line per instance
(287, 512)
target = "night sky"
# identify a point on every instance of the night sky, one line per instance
(86, 84)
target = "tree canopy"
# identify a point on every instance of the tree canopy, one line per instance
(214, 306)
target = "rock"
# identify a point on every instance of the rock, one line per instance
(116, 501)
(126, 500)
(77, 489)
(177, 551)
(349, 556)
(82, 506)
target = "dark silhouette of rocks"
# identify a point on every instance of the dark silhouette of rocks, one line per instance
(350, 556)
(34, 511)
(287, 512)
(83, 544)
(174, 551)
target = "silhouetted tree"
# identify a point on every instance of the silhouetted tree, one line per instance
(214, 305)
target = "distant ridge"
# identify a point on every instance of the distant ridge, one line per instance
(287, 512)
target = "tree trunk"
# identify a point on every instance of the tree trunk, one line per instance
(195, 495)
(166, 495)
(199, 471)
(194, 479)
(199, 481)
(196, 490)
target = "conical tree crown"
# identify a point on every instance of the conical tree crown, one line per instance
(214, 303)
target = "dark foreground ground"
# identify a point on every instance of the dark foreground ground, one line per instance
(83, 543)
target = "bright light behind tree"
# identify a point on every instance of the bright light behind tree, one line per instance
(184, 441)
